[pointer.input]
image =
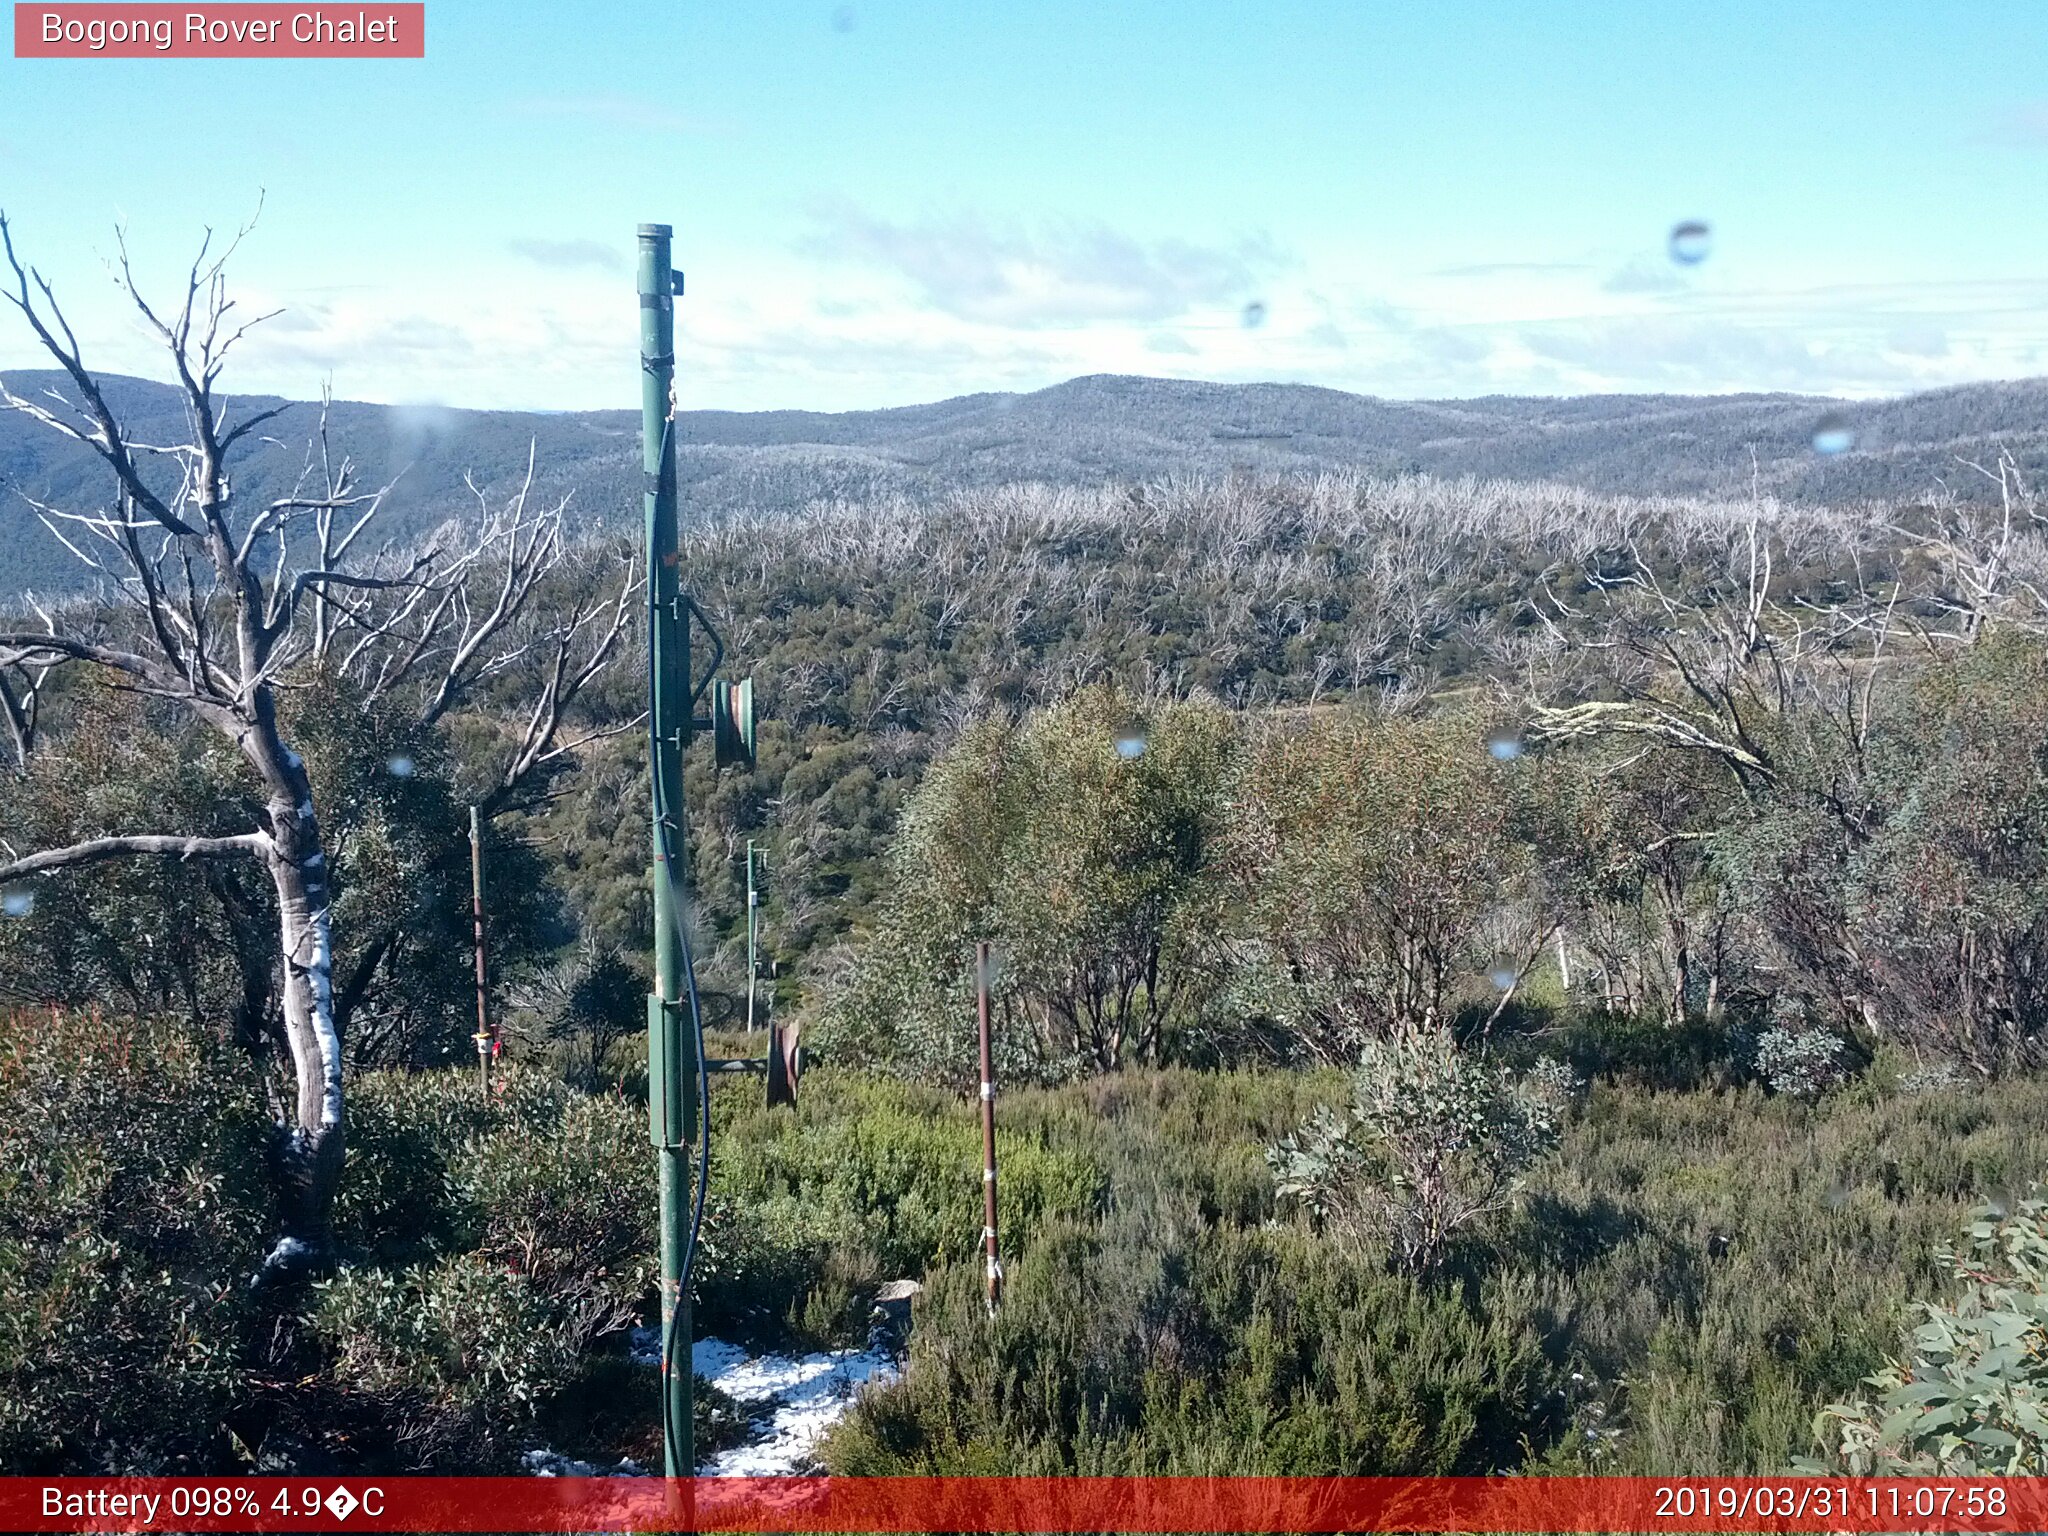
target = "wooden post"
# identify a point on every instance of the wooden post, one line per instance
(476, 912)
(988, 1129)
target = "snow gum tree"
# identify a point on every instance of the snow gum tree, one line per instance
(216, 606)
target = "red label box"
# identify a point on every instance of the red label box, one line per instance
(111, 30)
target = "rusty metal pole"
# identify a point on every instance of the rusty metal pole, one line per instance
(753, 934)
(988, 1130)
(476, 913)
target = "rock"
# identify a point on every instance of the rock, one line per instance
(889, 1321)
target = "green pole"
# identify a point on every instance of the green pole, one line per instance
(671, 1062)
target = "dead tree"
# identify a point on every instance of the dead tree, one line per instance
(215, 607)
(21, 699)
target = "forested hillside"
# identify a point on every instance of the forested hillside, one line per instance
(1088, 432)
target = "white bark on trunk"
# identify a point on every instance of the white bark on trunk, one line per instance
(310, 1151)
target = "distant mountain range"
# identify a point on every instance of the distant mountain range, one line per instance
(1085, 431)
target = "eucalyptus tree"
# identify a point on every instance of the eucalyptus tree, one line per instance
(217, 608)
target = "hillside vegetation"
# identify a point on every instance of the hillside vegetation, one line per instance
(1089, 433)
(1490, 976)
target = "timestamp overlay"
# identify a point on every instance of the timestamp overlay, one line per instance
(997, 1504)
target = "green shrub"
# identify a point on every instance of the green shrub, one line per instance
(868, 1180)
(1677, 1292)
(1078, 843)
(1968, 1400)
(132, 1211)
(409, 1135)
(494, 1241)
(1801, 1063)
(570, 1207)
(1435, 1141)
(453, 1353)
(1168, 1327)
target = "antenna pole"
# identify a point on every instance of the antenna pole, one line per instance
(671, 1062)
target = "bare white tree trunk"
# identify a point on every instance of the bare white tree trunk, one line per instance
(310, 1151)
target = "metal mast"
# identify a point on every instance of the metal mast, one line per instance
(671, 1061)
(677, 1072)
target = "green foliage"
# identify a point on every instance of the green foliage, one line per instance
(1950, 898)
(1803, 1063)
(1630, 1048)
(494, 1242)
(866, 1181)
(143, 935)
(1435, 1142)
(409, 1135)
(1690, 1277)
(1627, 839)
(1239, 1352)
(449, 1352)
(1374, 859)
(132, 1210)
(1082, 861)
(201, 937)
(398, 842)
(1968, 1400)
(583, 1007)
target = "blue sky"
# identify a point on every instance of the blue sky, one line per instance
(882, 201)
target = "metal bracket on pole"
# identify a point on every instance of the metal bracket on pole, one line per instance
(671, 1061)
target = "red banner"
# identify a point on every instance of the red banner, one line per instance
(230, 31)
(971, 1504)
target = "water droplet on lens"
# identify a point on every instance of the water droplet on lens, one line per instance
(1504, 748)
(17, 901)
(1690, 242)
(401, 767)
(843, 19)
(1503, 976)
(1130, 744)
(1254, 314)
(1832, 435)
(993, 973)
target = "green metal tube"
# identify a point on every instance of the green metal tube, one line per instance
(671, 1077)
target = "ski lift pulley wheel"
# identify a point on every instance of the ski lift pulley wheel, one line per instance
(732, 722)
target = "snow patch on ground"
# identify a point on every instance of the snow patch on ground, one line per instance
(791, 1400)
(547, 1463)
(803, 1396)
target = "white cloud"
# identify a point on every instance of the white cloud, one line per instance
(1644, 274)
(568, 254)
(1055, 274)
(962, 305)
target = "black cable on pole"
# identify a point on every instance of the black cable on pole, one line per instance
(665, 829)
